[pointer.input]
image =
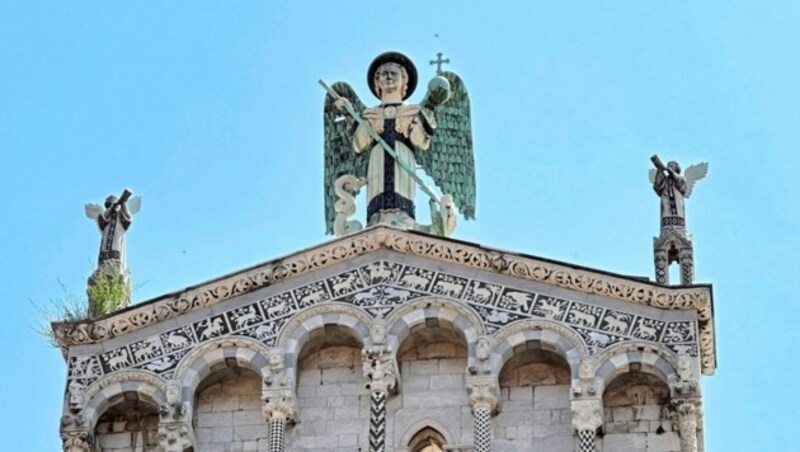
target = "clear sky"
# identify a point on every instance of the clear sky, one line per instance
(211, 111)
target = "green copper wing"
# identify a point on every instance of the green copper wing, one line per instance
(340, 159)
(450, 160)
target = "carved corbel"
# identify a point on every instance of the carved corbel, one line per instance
(175, 409)
(277, 370)
(685, 383)
(586, 385)
(483, 348)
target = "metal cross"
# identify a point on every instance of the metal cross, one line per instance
(439, 62)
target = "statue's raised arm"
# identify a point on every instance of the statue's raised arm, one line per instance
(113, 222)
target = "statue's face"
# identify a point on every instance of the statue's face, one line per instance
(110, 201)
(674, 167)
(390, 78)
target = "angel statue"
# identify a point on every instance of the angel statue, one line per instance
(381, 146)
(673, 188)
(113, 222)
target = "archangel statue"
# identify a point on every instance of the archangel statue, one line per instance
(113, 222)
(674, 243)
(673, 188)
(381, 146)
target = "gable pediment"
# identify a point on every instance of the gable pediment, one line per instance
(378, 271)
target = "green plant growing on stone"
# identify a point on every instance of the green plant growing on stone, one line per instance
(107, 291)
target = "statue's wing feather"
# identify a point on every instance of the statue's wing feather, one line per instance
(652, 175)
(340, 159)
(93, 210)
(693, 174)
(450, 159)
(134, 205)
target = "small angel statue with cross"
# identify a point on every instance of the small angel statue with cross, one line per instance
(114, 222)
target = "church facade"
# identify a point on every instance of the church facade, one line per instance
(395, 340)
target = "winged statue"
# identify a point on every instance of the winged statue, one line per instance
(673, 188)
(113, 220)
(381, 148)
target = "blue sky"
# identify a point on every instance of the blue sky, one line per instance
(211, 112)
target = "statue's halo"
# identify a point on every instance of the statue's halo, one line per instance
(393, 57)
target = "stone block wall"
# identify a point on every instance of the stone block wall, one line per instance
(228, 415)
(333, 403)
(115, 433)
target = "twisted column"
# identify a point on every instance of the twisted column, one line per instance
(482, 393)
(278, 409)
(379, 370)
(587, 416)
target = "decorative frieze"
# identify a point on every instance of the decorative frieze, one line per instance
(497, 305)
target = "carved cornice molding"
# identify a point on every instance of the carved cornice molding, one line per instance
(407, 242)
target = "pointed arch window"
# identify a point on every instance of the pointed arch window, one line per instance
(427, 440)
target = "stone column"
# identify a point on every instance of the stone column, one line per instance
(587, 416)
(687, 415)
(687, 266)
(482, 393)
(278, 410)
(379, 370)
(662, 266)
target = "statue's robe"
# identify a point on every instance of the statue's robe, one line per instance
(405, 128)
(113, 223)
(671, 192)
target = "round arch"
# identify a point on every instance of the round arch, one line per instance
(550, 335)
(100, 396)
(618, 359)
(463, 320)
(298, 330)
(197, 365)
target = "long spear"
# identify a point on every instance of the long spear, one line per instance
(383, 143)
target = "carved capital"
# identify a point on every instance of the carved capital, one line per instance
(175, 436)
(379, 368)
(587, 414)
(76, 441)
(483, 392)
(278, 404)
(687, 414)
